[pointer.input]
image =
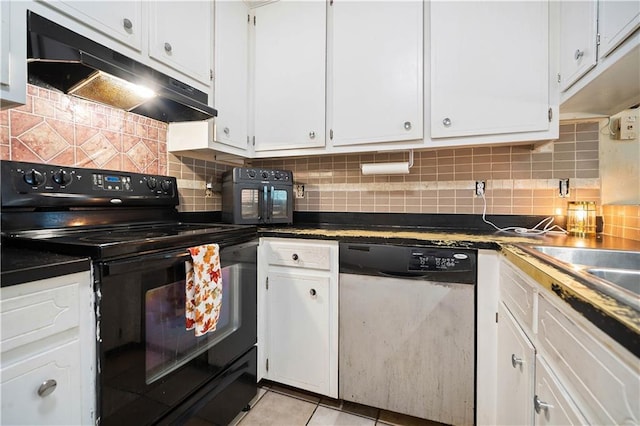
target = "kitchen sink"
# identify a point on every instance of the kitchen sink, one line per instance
(625, 278)
(614, 259)
(614, 272)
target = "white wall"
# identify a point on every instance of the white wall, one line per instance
(620, 165)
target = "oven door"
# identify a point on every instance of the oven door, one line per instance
(262, 203)
(149, 363)
(279, 205)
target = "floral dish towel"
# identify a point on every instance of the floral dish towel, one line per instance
(203, 289)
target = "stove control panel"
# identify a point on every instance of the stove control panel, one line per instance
(44, 185)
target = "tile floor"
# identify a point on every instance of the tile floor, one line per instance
(284, 406)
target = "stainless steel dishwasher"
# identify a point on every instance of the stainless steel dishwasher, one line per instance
(407, 330)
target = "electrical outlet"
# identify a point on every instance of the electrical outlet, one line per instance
(480, 188)
(298, 191)
(563, 188)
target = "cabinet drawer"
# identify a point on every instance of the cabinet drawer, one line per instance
(518, 295)
(34, 310)
(561, 409)
(300, 254)
(603, 385)
(21, 404)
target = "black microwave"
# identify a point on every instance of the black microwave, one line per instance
(253, 196)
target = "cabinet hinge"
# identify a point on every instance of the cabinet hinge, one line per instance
(248, 19)
(496, 317)
(248, 141)
(266, 284)
(253, 142)
(559, 78)
(598, 39)
(211, 75)
(331, 134)
(550, 114)
(267, 364)
(254, 21)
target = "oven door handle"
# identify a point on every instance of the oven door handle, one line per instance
(145, 263)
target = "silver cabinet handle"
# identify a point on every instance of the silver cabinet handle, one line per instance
(312, 135)
(579, 54)
(446, 122)
(295, 256)
(312, 292)
(515, 361)
(226, 131)
(127, 24)
(541, 405)
(47, 387)
(167, 47)
(407, 125)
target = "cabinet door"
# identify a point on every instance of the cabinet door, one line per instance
(298, 318)
(13, 55)
(20, 382)
(516, 357)
(231, 72)
(616, 21)
(489, 67)
(289, 75)
(121, 20)
(375, 71)
(551, 403)
(578, 32)
(180, 36)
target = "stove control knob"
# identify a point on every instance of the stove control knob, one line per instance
(34, 177)
(62, 177)
(265, 175)
(165, 185)
(251, 174)
(152, 183)
(277, 175)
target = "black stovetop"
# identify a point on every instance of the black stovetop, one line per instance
(111, 241)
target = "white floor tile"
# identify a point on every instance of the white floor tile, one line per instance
(327, 417)
(278, 410)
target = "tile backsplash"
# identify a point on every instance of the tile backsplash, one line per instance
(54, 128)
(520, 179)
(58, 129)
(622, 221)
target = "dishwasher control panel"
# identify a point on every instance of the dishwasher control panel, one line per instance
(452, 265)
(438, 260)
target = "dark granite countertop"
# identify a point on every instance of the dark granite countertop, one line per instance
(20, 266)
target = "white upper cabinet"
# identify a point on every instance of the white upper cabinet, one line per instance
(616, 20)
(375, 76)
(13, 48)
(231, 73)
(289, 75)
(489, 68)
(121, 20)
(578, 40)
(180, 36)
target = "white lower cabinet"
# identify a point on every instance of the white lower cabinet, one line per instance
(581, 375)
(516, 357)
(551, 403)
(298, 313)
(47, 345)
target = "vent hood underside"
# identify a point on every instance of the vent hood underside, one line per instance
(61, 59)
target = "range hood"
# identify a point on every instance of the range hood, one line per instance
(64, 60)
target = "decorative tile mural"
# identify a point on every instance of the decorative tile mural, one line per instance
(54, 128)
